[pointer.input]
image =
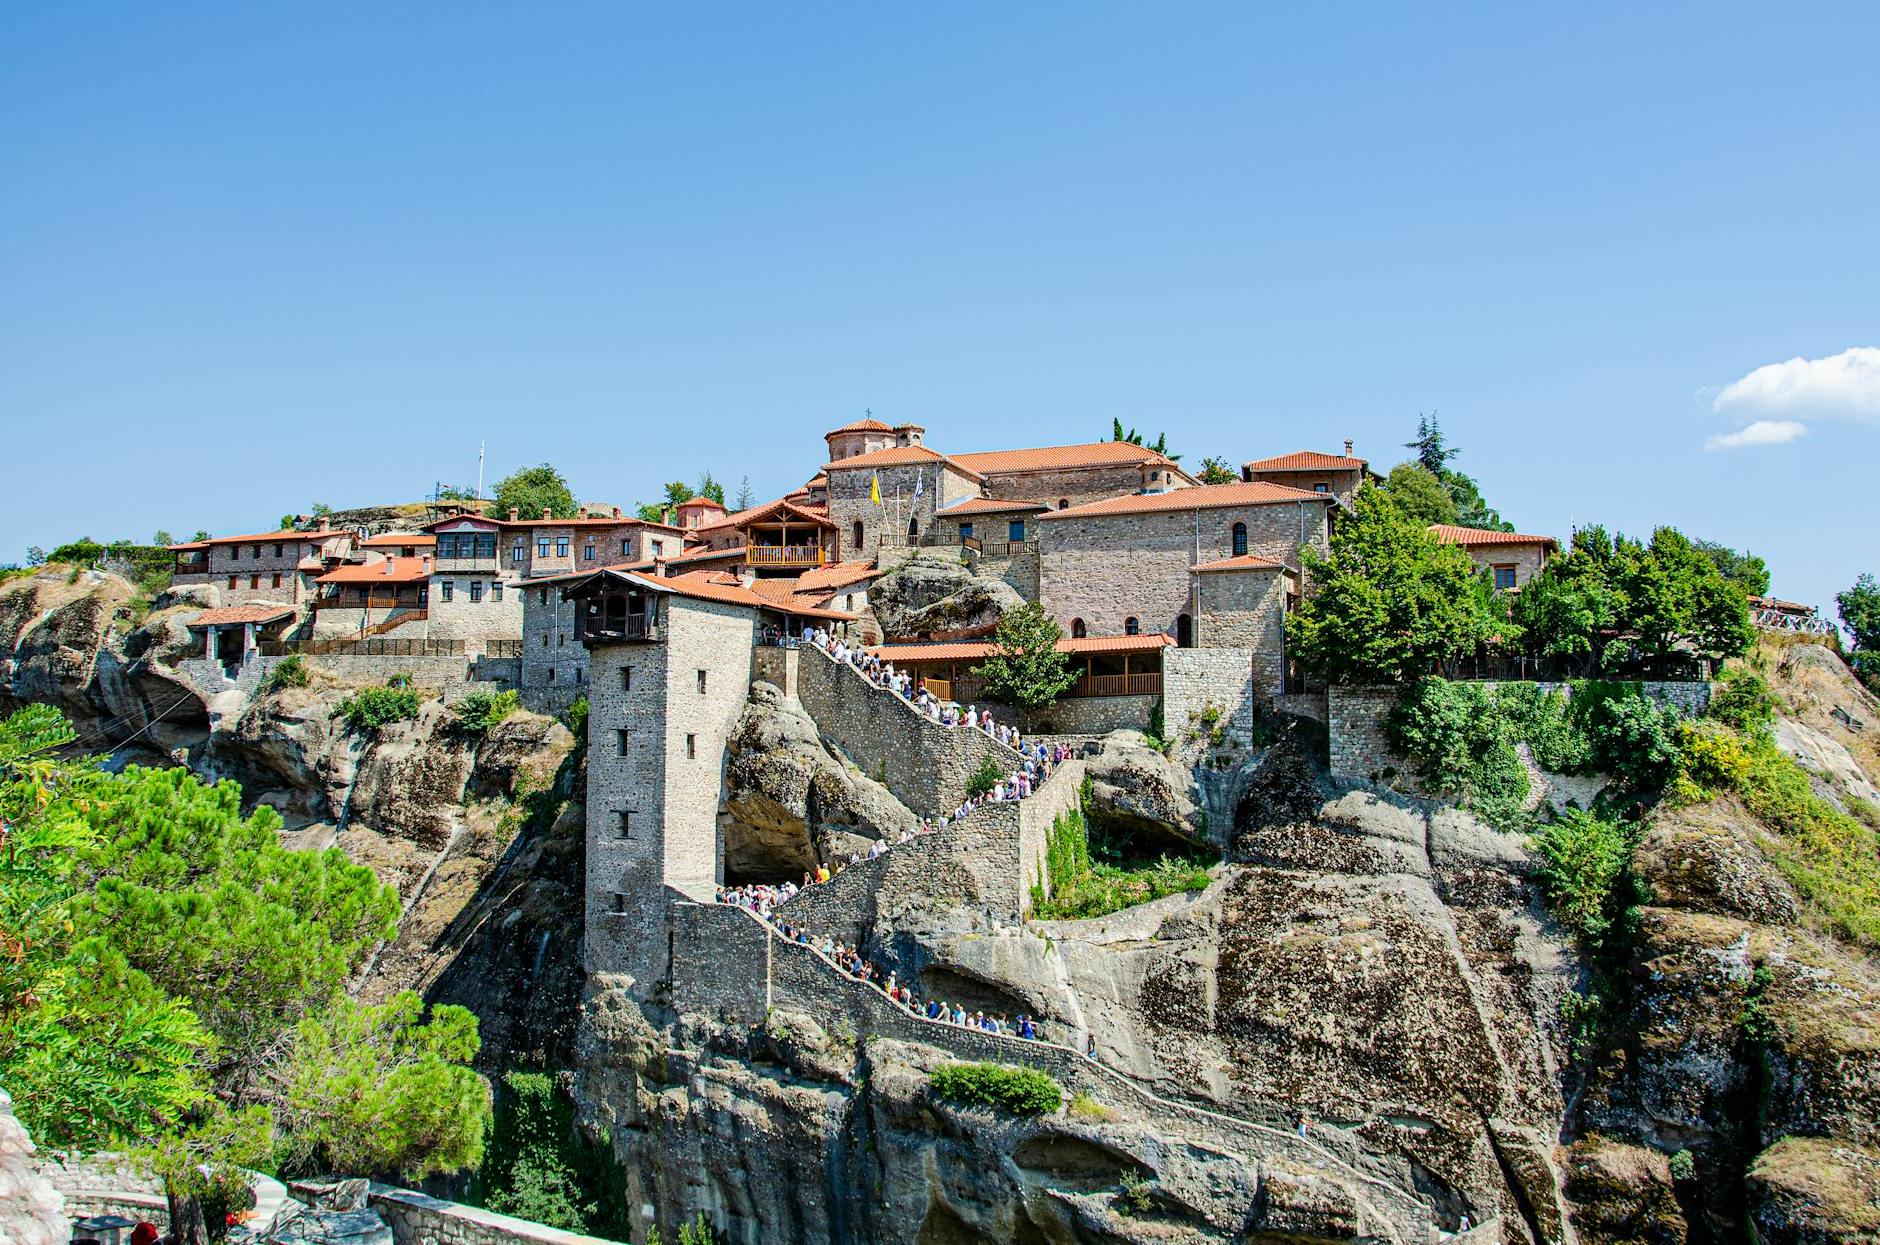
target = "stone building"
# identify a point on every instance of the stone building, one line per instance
(670, 662)
(1135, 565)
(271, 566)
(1059, 476)
(1341, 475)
(1511, 557)
(887, 497)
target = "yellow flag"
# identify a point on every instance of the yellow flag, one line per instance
(874, 488)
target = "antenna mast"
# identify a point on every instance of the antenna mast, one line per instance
(480, 470)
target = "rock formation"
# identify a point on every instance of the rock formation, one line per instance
(934, 596)
(32, 1212)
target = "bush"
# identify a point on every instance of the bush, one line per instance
(1022, 1091)
(1081, 888)
(481, 711)
(1635, 740)
(984, 779)
(575, 718)
(1584, 859)
(291, 671)
(1742, 699)
(375, 707)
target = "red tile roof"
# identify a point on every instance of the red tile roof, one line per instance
(384, 539)
(808, 514)
(383, 571)
(1063, 457)
(862, 425)
(1197, 497)
(1245, 562)
(1306, 460)
(264, 537)
(897, 456)
(700, 503)
(229, 615)
(1090, 645)
(1481, 537)
(840, 575)
(990, 505)
(705, 587)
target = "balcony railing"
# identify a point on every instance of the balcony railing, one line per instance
(1117, 685)
(785, 555)
(632, 627)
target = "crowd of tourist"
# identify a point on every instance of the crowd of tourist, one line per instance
(762, 902)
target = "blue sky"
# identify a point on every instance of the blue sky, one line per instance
(254, 257)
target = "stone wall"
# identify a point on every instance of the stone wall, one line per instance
(849, 503)
(1246, 609)
(925, 764)
(1088, 715)
(1356, 716)
(777, 666)
(498, 616)
(1527, 560)
(1019, 569)
(1107, 569)
(1072, 486)
(419, 1219)
(551, 656)
(725, 970)
(338, 621)
(1197, 679)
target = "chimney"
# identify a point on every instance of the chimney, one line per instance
(616, 512)
(665, 515)
(427, 564)
(659, 566)
(389, 564)
(514, 514)
(324, 524)
(548, 512)
(1347, 447)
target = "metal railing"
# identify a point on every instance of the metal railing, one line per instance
(632, 627)
(373, 646)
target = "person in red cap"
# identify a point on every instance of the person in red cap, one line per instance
(144, 1234)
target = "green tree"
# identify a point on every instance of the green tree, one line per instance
(745, 498)
(1391, 602)
(1420, 494)
(202, 534)
(1132, 437)
(162, 538)
(1027, 668)
(374, 1088)
(1743, 568)
(1471, 510)
(531, 491)
(1433, 453)
(709, 487)
(320, 510)
(677, 491)
(1217, 471)
(1859, 607)
(1677, 601)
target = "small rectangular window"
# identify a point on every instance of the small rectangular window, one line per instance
(623, 821)
(277, 548)
(626, 678)
(551, 674)
(966, 531)
(691, 747)
(587, 553)
(445, 589)
(659, 547)
(541, 546)
(620, 742)
(561, 546)
(518, 553)
(254, 581)
(496, 591)
(476, 591)
(544, 596)
(277, 580)
(1504, 576)
(1015, 530)
(626, 548)
(545, 639)
(701, 682)
(231, 581)
(1321, 488)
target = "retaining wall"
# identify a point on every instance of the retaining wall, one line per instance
(1195, 679)
(925, 764)
(418, 1219)
(1356, 717)
(778, 666)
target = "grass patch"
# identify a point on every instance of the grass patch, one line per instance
(482, 710)
(1084, 1107)
(376, 707)
(1831, 858)
(291, 671)
(1021, 1091)
(1082, 885)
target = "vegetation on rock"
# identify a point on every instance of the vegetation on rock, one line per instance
(1021, 1091)
(375, 707)
(1079, 887)
(482, 710)
(1859, 607)
(290, 671)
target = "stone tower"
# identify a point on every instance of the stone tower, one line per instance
(669, 672)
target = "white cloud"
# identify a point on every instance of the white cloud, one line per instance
(1841, 386)
(1759, 432)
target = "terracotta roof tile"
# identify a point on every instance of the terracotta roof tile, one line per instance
(896, 456)
(283, 536)
(818, 515)
(1245, 562)
(229, 615)
(968, 651)
(1481, 537)
(1063, 457)
(862, 425)
(1306, 460)
(1198, 497)
(840, 575)
(990, 505)
(402, 571)
(384, 539)
(700, 503)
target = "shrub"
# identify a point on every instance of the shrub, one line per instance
(1742, 699)
(291, 671)
(481, 710)
(1081, 888)
(1136, 1193)
(575, 718)
(1022, 1091)
(984, 779)
(375, 707)
(1084, 1107)
(1683, 1165)
(1635, 740)
(1584, 858)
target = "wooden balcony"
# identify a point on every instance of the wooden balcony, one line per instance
(786, 555)
(600, 630)
(1117, 685)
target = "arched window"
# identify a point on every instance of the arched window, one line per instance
(1077, 629)
(855, 535)
(1131, 626)
(913, 530)
(1240, 540)
(1184, 631)
(1064, 503)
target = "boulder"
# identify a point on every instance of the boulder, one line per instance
(1139, 794)
(787, 797)
(933, 596)
(32, 1212)
(1622, 1195)
(1700, 858)
(1813, 1191)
